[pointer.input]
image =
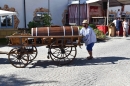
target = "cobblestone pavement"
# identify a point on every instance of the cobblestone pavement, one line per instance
(110, 67)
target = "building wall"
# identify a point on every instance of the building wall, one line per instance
(126, 8)
(18, 5)
(57, 8)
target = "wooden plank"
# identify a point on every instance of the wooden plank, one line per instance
(45, 39)
(43, 36)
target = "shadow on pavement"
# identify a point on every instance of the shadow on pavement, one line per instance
(99, 40)
(44, 64)
(4, 61)
(98, 61)
(80, 62)
(13, 80)
(103, 40)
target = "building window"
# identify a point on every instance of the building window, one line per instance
(6, 21)
(41, 14)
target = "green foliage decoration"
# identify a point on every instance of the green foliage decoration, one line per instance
(93, 26)
(44, 22)
(33, 24)
(99, 34)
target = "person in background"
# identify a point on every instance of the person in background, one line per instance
(125, 25)
(89, 38)
(114, 21)
(118, 26)
(118, 14)
(123, 13)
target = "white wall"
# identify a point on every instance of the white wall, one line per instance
(57, 7)
(126, 8)
(18, 5)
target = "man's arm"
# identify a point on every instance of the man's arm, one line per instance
(81, 32)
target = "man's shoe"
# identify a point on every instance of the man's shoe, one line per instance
(89, 58)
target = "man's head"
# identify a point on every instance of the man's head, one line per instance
(118, 9)
(85, 23)
(118, 18)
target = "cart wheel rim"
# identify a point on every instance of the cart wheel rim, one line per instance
(65, 58)
(16, 60)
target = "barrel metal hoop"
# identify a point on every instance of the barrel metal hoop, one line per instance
(36, 31)
(48, 30)
(64, 30)
(32, 31)
(72, 30)
(78, 30)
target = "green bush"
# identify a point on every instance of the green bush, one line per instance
(33, 24)
(3, 41)
(44, 22)
(93, 26)
(80, 27)
(99, 34)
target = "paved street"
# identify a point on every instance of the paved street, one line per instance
(110, 67)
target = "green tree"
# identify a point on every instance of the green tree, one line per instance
(45, 21)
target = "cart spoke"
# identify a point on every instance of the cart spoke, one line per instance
(63, 55)
(58, 54)
(55, 52)
(30, 55)
(32, 52)
(71, 55)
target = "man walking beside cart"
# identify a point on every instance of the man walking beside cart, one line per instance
(89, 38)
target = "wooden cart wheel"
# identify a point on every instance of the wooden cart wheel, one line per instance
(63, 54)
(17, 58)
(32, 52)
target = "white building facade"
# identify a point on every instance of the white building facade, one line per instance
(56, 7)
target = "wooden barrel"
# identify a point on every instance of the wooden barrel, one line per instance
(55, 31)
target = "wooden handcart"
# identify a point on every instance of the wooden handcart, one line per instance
(61, 49)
